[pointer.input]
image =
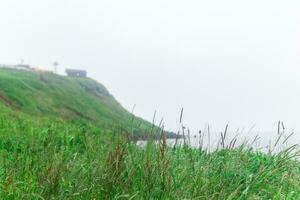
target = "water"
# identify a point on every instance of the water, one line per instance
(263, 141)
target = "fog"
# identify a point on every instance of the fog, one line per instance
(231, 61)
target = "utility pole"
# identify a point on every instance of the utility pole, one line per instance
(55, 64)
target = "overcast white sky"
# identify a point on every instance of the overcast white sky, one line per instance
(223, 61)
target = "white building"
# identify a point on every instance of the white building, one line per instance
(19, 67)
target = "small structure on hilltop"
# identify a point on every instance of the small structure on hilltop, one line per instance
(23, 67)
(20, 67)
(76, 73)
(41, 70)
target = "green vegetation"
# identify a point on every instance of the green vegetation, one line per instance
(69, 155)
(73, 99)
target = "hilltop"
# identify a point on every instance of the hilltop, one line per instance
(47, 95)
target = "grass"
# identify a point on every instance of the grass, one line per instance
(55, 160)
(59, 157)
(78, 99)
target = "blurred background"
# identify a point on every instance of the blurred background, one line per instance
(224, 62)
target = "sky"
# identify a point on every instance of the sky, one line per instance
(232, 61)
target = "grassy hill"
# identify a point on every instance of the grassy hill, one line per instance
(52, 96)
(61, 138)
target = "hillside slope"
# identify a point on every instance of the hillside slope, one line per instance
(53, 96)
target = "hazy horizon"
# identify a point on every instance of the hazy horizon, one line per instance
(224, 62)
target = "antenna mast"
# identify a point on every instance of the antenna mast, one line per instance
(55, 64)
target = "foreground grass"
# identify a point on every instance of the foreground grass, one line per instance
(60, 160)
